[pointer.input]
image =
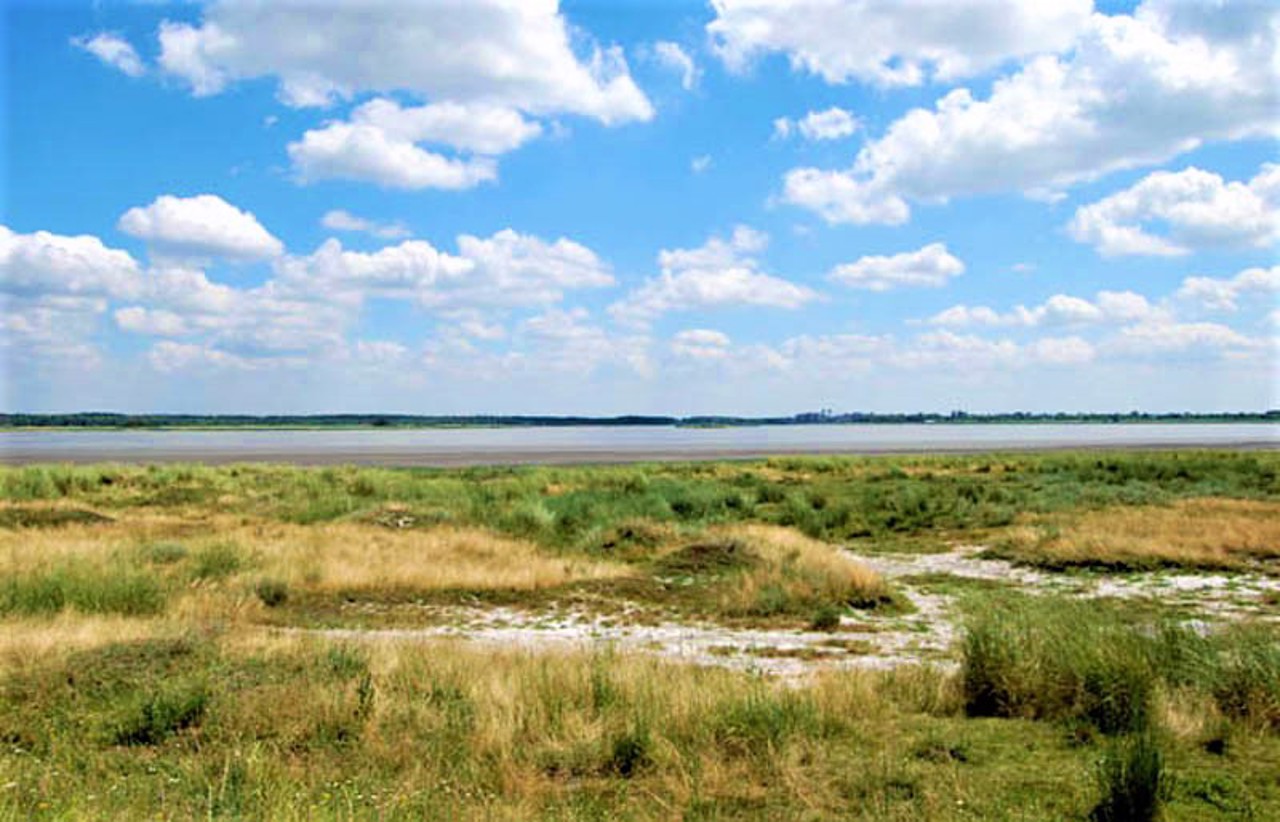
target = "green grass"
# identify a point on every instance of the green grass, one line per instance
(861, 499)
(117, 590)
(1106, 665)
(199, 728)
(1061, 710)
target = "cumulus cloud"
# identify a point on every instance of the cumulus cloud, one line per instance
(890, 42)
(114, 51)
(382, 143)
(719, 273)
(169, 357)
(1060, 309)
(1164, 337)
(504, 270)
(342, 220)
(54, 290)
(345, 151)
(674, 57)
(1134, 90)
(834, 123)
(44, 264)
(1199, 209)
(515, 54)
(700, 344)
(929, 267)
(1214, 294)
(199, 227)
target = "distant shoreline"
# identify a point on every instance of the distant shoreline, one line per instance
(403, 422)
(429, 455)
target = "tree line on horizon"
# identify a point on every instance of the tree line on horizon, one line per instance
(95, 419)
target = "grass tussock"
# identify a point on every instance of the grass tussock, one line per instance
(1194, 533)
(788, 572)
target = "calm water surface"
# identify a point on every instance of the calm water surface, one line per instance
(462, 446)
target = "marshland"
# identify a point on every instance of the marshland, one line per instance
(1000, 636)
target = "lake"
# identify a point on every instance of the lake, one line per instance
(479, 446)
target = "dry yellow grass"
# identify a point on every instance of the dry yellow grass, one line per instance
(24, 640)
(347, 556)
(1207, 533)
(353, 556)
(805, 570)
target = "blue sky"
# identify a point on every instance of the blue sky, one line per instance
(745, 206)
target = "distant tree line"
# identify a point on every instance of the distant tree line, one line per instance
(824, 417)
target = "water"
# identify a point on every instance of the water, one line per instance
(469, 446)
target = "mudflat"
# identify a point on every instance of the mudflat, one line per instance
(599, 444)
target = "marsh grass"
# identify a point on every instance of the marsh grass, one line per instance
(254, 725)
(1206, 533)
(171, 699)
(578, 508)
(1073, 661)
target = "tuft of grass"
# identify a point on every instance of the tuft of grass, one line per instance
(1132, 780)
(271, 592)
(787, 572)
(217, 561)
(155, 717)
(1061, 660)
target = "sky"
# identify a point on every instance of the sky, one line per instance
(736, 207)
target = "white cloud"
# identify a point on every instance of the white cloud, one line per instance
(507, 269)
(515, 53)
(929, 267)
(1212, 294)
(834, 123)
(892, 42)
(1134, 91)
(151, 321)
(169, 357)
(716, 274)
(1061, 351)
(700, 344)
(566, 341)
(1060, 309)
(380, 144)
(520, 269)
(342, 220)
(365, 153)
(673, 56)
(1164, 337)
(379, 352)
(43, 264)
(700, 163)
(840, 198)
(114, 51)
(199, 227)
(49, 328)
(1198, 207)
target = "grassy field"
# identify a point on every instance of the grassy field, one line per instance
(161, 652)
